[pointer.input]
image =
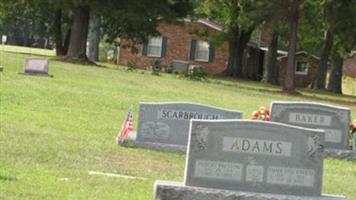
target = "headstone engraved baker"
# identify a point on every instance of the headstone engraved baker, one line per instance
(166, 125)
(243, 159)
(335, 121)
(36, 66)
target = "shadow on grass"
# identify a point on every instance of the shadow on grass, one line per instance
(7, 178)
(301, 92)
(28, 54)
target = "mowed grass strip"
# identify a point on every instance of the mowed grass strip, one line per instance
(55, 130)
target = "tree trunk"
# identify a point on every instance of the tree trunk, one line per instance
(79, 34)
(320, 80)
(231, 69)
(66, 41)
(335, 78)
(293, 39)
(237, 45)
(57, 31)
(270, 72)
(94, 37)
(243, 40)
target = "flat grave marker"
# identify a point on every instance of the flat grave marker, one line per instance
(227, 159)
(166, 125)
(335, 121)
(36, 66)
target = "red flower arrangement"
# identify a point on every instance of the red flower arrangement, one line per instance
(261, 114)
(353, 128)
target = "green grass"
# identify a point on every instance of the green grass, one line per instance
(55, 130)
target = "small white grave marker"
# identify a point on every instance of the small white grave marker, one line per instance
(3, 39)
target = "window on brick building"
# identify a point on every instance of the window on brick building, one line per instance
(156, 47)
(301, 67)
(201, 51)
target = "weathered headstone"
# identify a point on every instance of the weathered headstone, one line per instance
(335, 121)
(243, 159)
(36, 66)
(166, 125)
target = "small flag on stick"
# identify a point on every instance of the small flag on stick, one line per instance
(126, 128)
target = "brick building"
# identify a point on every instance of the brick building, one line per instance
(187, 41)
(350, 67)
(305, 70)
(179, 42)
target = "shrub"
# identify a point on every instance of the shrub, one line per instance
(132, 65)
(197, 74)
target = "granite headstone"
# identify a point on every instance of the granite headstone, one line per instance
(243, 159)
(166, 125)
(36, 66)
(335, 121)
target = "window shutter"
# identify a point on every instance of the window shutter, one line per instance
(144, 50)
(193, 45)
(211, 53)
(164, 46)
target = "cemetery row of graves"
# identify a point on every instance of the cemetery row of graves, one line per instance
(269, 159)
(65, 110)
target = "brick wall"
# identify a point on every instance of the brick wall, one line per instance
(350, 67)
(179, 38)
(299, 80)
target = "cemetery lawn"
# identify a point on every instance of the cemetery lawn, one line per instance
(53, 131)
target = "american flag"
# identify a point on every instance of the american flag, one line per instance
(126, 128)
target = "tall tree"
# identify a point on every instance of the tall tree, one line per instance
(328, 9)
(240, 18)
(136, 19)
(344, 41)
(275, 22)
(94, 37)
(288, 85)
(270, 71)
(79, 33)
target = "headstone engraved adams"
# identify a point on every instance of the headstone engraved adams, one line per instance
(233, 159)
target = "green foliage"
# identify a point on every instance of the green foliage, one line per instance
(132, 65)
(311, 27)
(197, 74)
(138, 19)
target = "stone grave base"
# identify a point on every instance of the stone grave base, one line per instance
(159, 146)
(340, 154)
(165, 190)
(35, 74)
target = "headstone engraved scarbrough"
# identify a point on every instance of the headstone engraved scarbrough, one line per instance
(166, 125)
(335, 121)
(36, 66)
(243, 159)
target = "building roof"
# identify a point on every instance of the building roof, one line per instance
(211, 24)
(208, 23)
(299, 52)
